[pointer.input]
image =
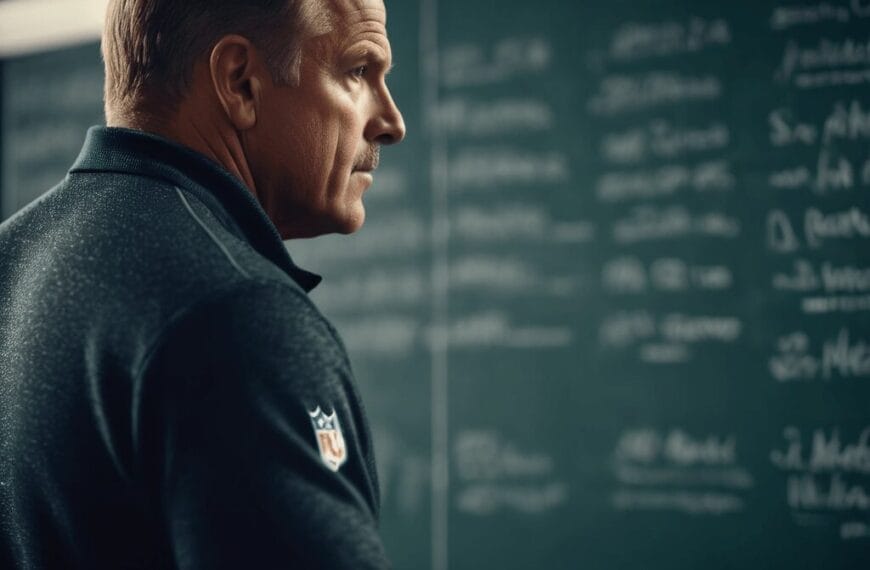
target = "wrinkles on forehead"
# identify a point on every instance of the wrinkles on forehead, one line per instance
(354, 6)
(349, 22)
(344, 13)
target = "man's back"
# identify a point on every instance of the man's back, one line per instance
(159, 365)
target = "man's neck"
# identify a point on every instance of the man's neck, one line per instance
(195, 129)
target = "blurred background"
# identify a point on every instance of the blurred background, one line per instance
(610, 306)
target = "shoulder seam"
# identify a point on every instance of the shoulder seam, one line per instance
(211, 234)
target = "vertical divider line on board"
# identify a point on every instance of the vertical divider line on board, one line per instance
(438, 339)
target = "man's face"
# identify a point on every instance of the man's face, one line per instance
(315, 145)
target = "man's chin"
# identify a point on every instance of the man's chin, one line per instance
(354, 221)
(347, 221)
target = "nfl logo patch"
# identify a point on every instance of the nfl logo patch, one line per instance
(330, 441)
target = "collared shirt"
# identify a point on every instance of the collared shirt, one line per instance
(169, 395)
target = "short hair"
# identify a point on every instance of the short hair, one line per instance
(150, 46)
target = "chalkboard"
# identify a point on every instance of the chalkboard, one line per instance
(610, 305)
(47, 102)
(609, 309)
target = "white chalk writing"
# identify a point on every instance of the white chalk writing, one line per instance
(842, 356)
(495, 168)
(665, 181)
(646, 223)
(458, 116)
(662, 139)
(636, 40)
(623, 93)
(471, 64)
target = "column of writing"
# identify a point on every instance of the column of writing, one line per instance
(818, 237)
(508, 282)
(667, 191)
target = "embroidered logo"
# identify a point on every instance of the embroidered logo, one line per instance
(327, 431)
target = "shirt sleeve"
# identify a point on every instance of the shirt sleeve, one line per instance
(226, 448)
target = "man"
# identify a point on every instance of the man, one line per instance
(169, 396)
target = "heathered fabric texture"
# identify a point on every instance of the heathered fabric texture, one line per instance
(159, 357)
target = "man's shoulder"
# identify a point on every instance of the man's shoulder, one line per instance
(133, 252)
(253, 333)
(165, 236)
(264, 314)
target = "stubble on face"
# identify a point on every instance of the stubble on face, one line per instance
(367, 27)
(321, 159)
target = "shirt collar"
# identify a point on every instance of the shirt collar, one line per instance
(112, 149)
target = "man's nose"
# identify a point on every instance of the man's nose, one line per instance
(388, 126)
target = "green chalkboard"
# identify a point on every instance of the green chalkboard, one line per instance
(610, 308)
(48, 100)
(617, 317)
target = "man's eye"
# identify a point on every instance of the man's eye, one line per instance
(359, 71)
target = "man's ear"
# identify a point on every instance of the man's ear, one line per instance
(235, 69)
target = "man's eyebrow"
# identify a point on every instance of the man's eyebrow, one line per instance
(378, 56)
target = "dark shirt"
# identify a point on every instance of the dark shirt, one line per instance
(166, 384)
